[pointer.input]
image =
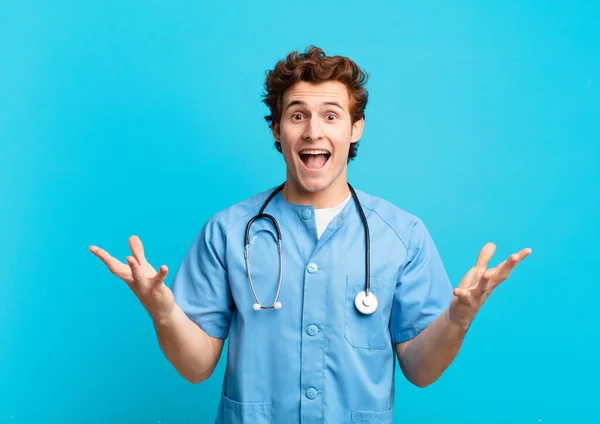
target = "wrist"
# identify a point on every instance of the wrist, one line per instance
(461, 324)
(165, 319)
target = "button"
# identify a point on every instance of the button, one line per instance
(306, 213)
(311, 393)
(312, 330)
(312, 268)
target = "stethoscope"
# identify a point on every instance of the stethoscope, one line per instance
(365, 301)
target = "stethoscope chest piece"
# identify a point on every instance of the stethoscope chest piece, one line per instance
(365, 304)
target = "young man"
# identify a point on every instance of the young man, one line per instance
(314, 323)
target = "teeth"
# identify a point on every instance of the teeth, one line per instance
(314, 152)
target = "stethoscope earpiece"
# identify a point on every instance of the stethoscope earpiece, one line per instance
(258, 306)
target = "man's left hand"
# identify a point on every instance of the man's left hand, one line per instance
(479, 282)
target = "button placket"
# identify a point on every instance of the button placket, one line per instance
(313, 342)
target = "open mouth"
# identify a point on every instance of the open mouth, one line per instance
(314, 159)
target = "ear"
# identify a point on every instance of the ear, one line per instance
(357, 130)
(275, 131)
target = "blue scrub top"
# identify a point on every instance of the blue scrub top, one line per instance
(317, 359)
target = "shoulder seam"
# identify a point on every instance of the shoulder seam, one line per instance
(386, 223)
(258, 201)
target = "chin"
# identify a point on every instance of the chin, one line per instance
(314, 185)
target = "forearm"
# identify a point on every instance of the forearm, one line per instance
(428, 355)
(192, 352)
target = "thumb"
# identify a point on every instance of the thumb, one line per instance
(464, 296)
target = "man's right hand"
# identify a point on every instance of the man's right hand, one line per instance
(147, 284)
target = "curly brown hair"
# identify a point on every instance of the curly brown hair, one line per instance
(314, 66)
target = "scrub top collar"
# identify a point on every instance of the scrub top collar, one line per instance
(279, 207)
(281, 202)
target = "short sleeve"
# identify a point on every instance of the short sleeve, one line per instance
(423, 290)
(200, 286)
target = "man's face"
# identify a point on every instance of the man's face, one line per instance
(315, 132)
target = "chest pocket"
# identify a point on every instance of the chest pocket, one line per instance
(369, 331)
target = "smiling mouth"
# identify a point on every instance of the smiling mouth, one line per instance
(314, 159)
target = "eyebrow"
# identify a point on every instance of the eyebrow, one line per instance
(301, 103)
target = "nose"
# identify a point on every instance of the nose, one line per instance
(313, 129)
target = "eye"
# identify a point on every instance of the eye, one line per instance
(297, 116)
(331, 117)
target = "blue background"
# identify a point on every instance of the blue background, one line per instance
(144, 117)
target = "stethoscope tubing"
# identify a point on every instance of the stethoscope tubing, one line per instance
(261, 214)
(367, 240)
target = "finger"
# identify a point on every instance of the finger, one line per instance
(482, 284)
(137, 248)
(463, 295)
(160, 276)
(485, 255)
(515, 258)
(508, 265)
(524, 253)
(115, 266)
(488, 274)
(136, 270)
(497, 267)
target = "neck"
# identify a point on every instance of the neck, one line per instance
(332, 196)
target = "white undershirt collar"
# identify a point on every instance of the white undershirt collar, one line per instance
(324, 216)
